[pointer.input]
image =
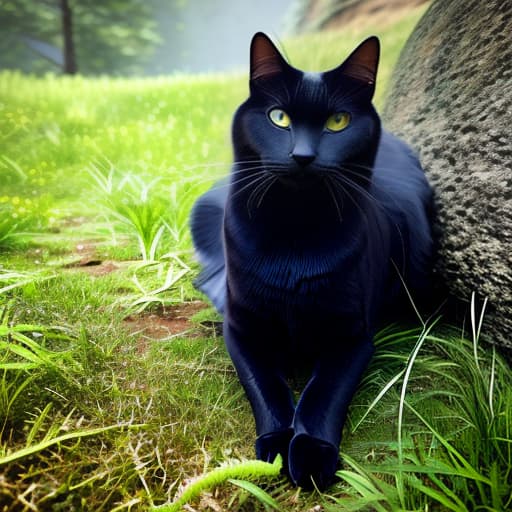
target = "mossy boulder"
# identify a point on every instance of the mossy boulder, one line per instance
(451, 99)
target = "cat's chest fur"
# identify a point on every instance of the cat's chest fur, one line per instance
(298, 261)
(292, 272)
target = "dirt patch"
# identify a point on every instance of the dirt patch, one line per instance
(94, 267)
(88, 261)
(164, 323)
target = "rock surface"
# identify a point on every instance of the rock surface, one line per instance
(451, 99)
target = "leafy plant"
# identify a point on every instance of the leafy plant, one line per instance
(23, 345)
(157, 224)
(166, 273)
(130, 202)
(21, 352)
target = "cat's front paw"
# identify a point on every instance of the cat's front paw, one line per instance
(312, 460)
(273, 443)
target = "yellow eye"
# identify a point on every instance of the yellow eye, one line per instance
(279, 118)
(338, 121)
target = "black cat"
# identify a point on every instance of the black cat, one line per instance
(323, 221)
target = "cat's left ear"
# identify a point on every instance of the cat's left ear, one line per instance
(266, 61)
(363, 62)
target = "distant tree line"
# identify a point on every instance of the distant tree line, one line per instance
(86, 36)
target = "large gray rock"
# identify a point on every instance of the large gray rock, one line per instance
(451, 98)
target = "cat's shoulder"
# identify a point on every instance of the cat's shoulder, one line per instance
(393, 148)
(398, 173)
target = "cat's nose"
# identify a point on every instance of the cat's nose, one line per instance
(303, 159)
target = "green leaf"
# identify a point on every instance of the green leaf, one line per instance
(438, 496)
(261, 495)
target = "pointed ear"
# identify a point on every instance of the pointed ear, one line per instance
(363, 62)
(266, 60)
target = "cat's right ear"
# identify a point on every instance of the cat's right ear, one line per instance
(266, 61)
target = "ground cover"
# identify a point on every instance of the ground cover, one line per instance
(115, 387)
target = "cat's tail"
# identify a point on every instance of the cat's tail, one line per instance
(206, 224)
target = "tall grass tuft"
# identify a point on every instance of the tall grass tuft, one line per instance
(453, 446)
(133, 206)
(155, 215)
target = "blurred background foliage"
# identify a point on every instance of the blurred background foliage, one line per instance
(129, 37)
(110, 37)
(134, 37)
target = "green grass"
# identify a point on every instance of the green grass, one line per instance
(101, 410)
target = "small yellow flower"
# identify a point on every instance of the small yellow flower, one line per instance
(15, 200)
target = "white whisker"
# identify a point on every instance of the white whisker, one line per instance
(375, 204)
(332, 193)
(260, 190)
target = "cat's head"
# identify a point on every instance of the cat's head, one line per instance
(299, 125)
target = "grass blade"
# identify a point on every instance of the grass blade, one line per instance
(46, 443)
(261, 495)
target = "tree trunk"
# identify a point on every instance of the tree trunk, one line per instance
(70, 67)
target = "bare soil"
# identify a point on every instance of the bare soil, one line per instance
(88, 261)
(164, 323)
(159, 324)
